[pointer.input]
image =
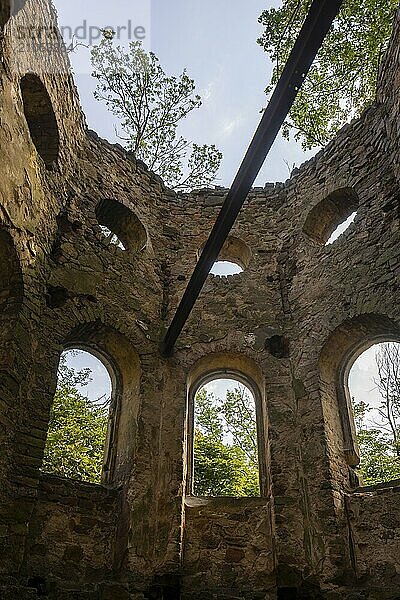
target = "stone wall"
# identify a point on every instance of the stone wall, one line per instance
(289, 323)
(373, 516)
(81, 522)
(229, 544)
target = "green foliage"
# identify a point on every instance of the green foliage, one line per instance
(225, 445)
(150, 105)
(379, 461)
(221, 469)
(342, 80)
(379, 446)
(77, 430)
(238, 410)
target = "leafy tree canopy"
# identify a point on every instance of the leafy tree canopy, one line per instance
(150, 106)
(379, 444)
(225, 445)
(378, 458)
(77, 429)
(342, 80)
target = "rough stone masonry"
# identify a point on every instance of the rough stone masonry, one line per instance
(290, 324)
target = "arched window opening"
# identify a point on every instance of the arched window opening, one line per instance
(225, 439)
(77, 434)
(225, 268)
(40, 118)
(374, 387)
(332, 216)
(120, 226)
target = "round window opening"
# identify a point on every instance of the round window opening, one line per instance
(332, 216)
(233, 259)
(374, 387)
(225, 440)
(225, 268)
(77, 433)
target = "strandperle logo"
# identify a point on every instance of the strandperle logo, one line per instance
(83, 34)
(86, 33)
(39, 31)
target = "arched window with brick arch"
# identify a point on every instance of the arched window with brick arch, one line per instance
(92, 425)
(346, 345)
(226, 425)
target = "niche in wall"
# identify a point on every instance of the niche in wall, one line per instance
(40, 117)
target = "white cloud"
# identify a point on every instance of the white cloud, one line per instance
(208, 91)
(229, 126)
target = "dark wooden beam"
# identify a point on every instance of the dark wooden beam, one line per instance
(310, 39)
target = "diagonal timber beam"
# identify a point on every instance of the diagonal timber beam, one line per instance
(310, 39)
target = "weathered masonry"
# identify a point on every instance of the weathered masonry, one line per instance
(289, 324)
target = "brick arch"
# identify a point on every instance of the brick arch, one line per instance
(122, 362)
(241, 368)
(233, 361)
(342, 348)
(234, 250)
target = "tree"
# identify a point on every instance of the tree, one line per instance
(225, 445)
(222, 470)
(342, 80)
(379, 445)
(150, 106)
(77, 429)
(238, 410)
(378, 460)
(388, 383)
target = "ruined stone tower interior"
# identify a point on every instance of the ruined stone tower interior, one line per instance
(289, 325)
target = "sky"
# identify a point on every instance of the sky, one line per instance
(216, 41)
(362, 386)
